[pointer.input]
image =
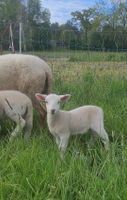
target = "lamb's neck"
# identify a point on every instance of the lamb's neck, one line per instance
(52, 118)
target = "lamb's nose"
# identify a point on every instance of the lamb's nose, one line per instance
(52, 111)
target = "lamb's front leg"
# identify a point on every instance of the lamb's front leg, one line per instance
(57, 140)
(20, 123)
(17, 118)
(63, 144)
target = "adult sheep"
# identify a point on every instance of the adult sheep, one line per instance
(26, 73)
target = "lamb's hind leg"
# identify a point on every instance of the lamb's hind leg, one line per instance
(104, 138)
(101, 132)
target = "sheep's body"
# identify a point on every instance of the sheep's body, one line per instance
(62, 124)
(17, 107)
(27, 74)
(77, 121)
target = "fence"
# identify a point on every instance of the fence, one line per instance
(14, 38)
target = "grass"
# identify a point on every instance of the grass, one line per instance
(83, 56)
(33, 170)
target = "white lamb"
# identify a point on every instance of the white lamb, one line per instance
(62, 124)
(17, 107)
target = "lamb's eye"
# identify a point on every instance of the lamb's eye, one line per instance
(46, 101)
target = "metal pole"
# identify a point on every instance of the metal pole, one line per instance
(20, 37)
(11, 39)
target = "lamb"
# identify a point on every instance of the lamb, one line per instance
(63, 124)
(28, 74)
(17, 107)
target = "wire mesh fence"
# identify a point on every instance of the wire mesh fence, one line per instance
(61, 43)
(67, 51)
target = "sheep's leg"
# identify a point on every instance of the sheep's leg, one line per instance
(17, 131)
(92, 140)
(57, 140)
(29, 123)
(16, 117)
(104, 138)
(103, 135)
(27, 130)
(63, 145)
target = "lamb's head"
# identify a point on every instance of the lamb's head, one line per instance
(52, 101)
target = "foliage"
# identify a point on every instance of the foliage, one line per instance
(101, 27)
(34, 17)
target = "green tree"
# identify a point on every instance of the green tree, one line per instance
(84, 18)
(122, 14)
(38, 24)
(36, 13)
(68, 33)
(10, 12)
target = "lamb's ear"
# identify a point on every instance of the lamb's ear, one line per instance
(65, 98)
(40, 97)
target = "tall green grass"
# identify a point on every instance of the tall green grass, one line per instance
(83, 56)
(33, 170)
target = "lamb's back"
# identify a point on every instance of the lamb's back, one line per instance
(82, 117)
(14, 97)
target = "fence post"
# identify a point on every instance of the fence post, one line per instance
(11, 45)
(20, 37)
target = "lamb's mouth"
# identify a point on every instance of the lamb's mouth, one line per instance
(53, 112)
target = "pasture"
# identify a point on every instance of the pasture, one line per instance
(33, 170)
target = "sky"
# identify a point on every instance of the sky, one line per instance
(61, 9)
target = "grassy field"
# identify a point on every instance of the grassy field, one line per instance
(33, 170)
(84, 56)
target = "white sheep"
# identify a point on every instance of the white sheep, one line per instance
(26, 73)
(17, 107)
(62, 124)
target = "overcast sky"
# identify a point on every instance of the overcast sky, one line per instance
(61, 9)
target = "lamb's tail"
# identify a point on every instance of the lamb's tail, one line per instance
(47, 87)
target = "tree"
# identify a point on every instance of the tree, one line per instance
(36, 13)
(85, 19)
(68, 33)
(37, 26)
(95, 40)
(122, 14)
(10, 12)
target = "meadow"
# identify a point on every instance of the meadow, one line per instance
(33, 170)
(82, 56)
